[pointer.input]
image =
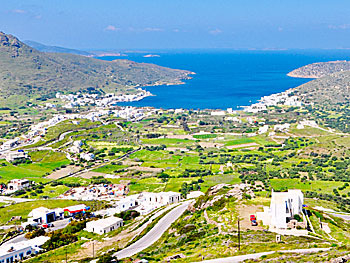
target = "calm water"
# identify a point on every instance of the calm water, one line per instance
(227, 79)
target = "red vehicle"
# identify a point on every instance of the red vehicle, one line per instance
(45, 225)
(253, 220)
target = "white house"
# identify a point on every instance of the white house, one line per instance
(16, 155)
(105, 225)
(75, 149)
(87, 156)
(281, 127)
(263, 129)
(283, 207)
(10, 253)
(163, 198)
(17, 184)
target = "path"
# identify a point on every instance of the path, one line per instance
(258, 255)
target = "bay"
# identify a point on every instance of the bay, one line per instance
(227, 78)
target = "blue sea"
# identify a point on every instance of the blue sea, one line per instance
(226, 78)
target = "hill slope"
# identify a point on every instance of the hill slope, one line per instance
(55, 49)
(26, 73)
(327, 90)
(320, 69)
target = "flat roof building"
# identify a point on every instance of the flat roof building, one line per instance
(105, 225)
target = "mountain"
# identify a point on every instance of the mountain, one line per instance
(320, 69)
(27, 74)
(55, 49)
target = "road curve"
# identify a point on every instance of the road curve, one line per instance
(154, 234)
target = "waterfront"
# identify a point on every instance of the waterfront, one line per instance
(227, 79)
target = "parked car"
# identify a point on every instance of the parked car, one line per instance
(254, 223)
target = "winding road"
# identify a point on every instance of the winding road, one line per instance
(154, 234)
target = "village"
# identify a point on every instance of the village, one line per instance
(104, 101)
(120, 169)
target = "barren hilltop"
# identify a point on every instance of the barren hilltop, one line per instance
(320, 69)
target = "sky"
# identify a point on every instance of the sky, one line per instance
(166, 24)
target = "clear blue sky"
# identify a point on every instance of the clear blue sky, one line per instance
(154, 24)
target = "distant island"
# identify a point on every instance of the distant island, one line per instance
(55, 49)
(320, 69)
(151, 56)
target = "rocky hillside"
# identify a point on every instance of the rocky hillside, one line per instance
(328, 90)
(26, 73)
(318, 70)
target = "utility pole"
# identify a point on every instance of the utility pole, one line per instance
(93, 249)
(239, 236)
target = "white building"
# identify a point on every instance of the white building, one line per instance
(10, 253)
(17, 184)
(218, 113)
(163, 198)
(105, 225)
(87, 156)
(43, 215)
(263, 129)
(283, 207)
(281, 127)
(74, 149)
(13, 156)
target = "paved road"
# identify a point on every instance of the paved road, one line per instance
(237, 259)
(6, 199)
(343, 216)
(154, 234)
(57, 225)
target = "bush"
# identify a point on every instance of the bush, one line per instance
(128, 215)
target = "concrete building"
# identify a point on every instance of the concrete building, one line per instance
(283, 207)
(17, 184)
(15, 252)
(105, 225)
(163, 198)
(43, 215)
(14, 156)
(76, 209)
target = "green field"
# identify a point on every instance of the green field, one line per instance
(43, 162)
(169, 142)
(316, 186)
(23, 209)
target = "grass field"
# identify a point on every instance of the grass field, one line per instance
(169, 142)
(151, 184)
(316, 186)
(23, 209)
(240, 141)
(43, 162)
(205, 136)
(48, 191)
